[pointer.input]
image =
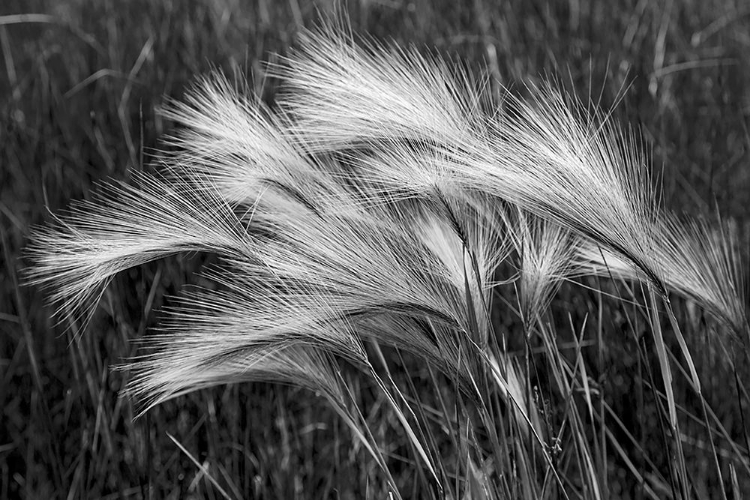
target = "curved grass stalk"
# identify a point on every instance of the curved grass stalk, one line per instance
(700, 262)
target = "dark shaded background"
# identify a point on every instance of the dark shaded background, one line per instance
(80, 83)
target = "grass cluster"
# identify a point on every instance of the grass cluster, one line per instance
(368, 273)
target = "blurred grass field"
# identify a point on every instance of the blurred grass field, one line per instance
(80, 85)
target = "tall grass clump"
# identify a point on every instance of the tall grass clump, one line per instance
(388, 222)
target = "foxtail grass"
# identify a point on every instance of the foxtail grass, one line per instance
(369, 223)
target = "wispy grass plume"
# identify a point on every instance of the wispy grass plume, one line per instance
(428, 126)
(376, 209)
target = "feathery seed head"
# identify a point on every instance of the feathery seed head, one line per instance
(370, 206)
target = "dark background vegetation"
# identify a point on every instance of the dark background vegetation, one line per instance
(80, 85)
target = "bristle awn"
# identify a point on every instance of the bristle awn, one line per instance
(547, 252)
(212, 335)
(427, 128)
(126, 226)
(233, 139)
(700, 262)
(704, 264)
